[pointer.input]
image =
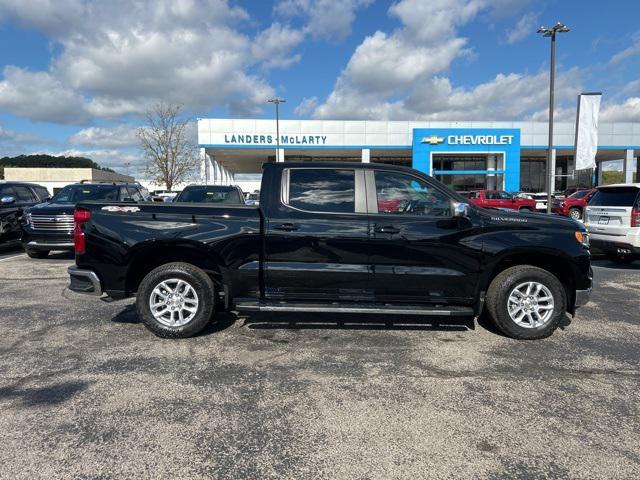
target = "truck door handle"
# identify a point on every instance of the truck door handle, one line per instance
(287, 227)
(386, 229)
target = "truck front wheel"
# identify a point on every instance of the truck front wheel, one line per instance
(526, 302)
(176, 300)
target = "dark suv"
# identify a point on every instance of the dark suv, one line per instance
(49, 226)
(14, 198)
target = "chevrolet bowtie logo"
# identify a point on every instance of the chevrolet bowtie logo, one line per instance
(433, 140)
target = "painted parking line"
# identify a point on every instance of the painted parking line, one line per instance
(14, 256)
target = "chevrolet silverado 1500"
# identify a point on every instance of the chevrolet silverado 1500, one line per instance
(338, 237)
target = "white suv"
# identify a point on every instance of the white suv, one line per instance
(613, 221)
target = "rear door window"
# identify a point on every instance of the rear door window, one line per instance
(615, 197)
(24, 194)
(322, 190)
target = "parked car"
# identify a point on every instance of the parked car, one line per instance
(49, 226)
(318, 242)
(573, 206)
(613, 220)
(229, 195)
(540, 201)
(252, 199)
(14, 198)
(500, 199)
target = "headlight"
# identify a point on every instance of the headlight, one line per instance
(583, 238)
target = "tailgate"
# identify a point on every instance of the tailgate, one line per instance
(608, 220)
(609, 210)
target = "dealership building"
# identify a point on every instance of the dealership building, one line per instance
(463, 155)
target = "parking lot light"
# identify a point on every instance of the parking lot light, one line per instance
(551, 33)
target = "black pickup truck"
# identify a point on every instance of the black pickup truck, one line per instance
(338, 237)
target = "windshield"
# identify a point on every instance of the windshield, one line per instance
(204, 194)
(579, 194)
(79, 193)
(615, 197)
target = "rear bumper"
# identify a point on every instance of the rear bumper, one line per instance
(84, 281)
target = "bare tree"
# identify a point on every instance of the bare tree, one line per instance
(171, 156)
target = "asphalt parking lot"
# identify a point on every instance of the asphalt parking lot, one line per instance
(87, 392)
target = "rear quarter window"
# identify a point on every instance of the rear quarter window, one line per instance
(615, 197)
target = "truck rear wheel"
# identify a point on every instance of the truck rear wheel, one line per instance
(526, 302)
(176, 300)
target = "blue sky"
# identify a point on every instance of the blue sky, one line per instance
(76, 76)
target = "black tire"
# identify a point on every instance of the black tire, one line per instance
(37, 253)
(197, 279)
(526, 209)
(575, 213)
(501, 288)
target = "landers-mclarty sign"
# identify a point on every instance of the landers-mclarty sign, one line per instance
(248, 139)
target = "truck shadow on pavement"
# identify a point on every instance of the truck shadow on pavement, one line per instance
(49, 395)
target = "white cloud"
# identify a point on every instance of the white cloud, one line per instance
(306, 106)
(120, 57)
(632, 51)
(523, 28)
(326, 19)
(403, 63)
(402, 74)
(273, 46)
(40, 96)
(627, 111)
(106, 137)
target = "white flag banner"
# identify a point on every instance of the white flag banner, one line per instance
(587, 130)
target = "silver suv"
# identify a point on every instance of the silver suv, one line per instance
(613, 221)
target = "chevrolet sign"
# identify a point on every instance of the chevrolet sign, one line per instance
(470, 140)
(433, 140)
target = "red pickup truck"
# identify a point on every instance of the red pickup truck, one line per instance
(501, 199)
(574, 205)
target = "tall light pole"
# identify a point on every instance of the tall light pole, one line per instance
(551, 32)
(277, 101)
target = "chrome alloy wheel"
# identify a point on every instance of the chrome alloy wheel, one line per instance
(575, 214)
(530, 305)
(173, 302)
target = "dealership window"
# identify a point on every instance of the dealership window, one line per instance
(322, 190)
(459, 162)
(398, 193)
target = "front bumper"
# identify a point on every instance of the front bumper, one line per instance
(84, 281)
(611, 246)
(47, 245)
(582, 297)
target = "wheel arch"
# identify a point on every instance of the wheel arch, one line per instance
(554, 262)
(154, 254)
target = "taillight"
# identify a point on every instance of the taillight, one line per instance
(79, 218)
(635, 217)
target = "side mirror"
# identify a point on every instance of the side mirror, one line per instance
(460, 209)
(7, 200)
